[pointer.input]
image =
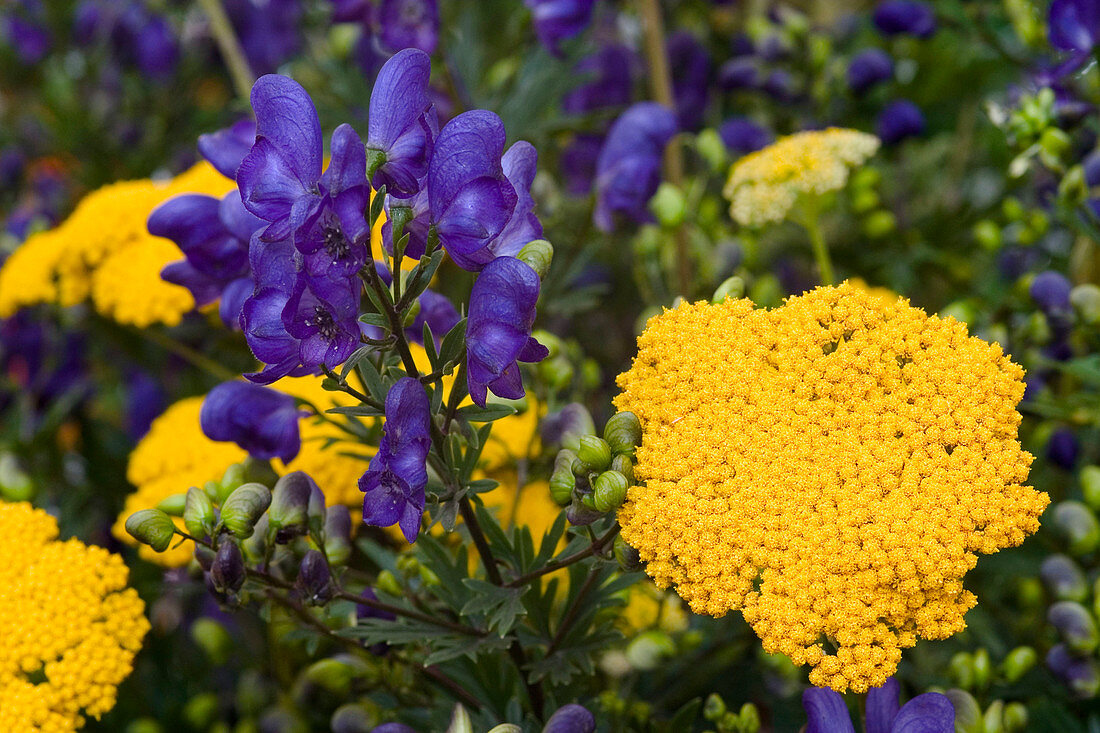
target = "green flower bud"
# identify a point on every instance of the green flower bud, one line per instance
(731, 287)
(233, 477)
(993, 720)
(968, 715)
(352, 718)
(1073, 188)
(609, 490)
(594, 453)
(557, 372)
(411, 314)
(562, 484)
(334, 674)
(750, 718)
(1086, 301)
(201, 711)
(865, 200)
(879, 224)
(710, 147)
(387, 583)
(866, 177)
(646, 650)
(15, 483)
(213, 638)
(537, 255)
(144, 725)
(198, 513)
(623, 433)
(1018, 662)
(1012, 209)
(1090, 485)
(982, 666)
(244, 507)
(255, 547)
(669, 205)
(1014, 717)
(625, 466)
(173, 505)
(1053, 144)
(714, 707)
(460, 721)
(627, 556)
(151, 527)
(564, 460)
(1078, 525)
(317, 511)
(338, 535)
(506, 728)
(729, 723)
(988, 234)
(290, 506)
(1075, 625)
(961, 668)
(574, 421)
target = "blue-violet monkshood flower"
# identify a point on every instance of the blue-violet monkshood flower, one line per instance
(558, 20)
(403, 124)
(409, 24)
(927, 713)
(900, 120)
(394, 483)
(628, 169)
(908, 17)
(868, 68)
(260, 420)
(1074, 25)
(498, 332)
(226, 148)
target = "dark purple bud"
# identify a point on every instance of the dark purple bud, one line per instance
(314, 583)
(1074, 24)
(1081, 675)
(1075, 625)
(1063, 578)
(900, 120)
(628, 169)
(393, 728)
(742, 136)
(394, 483)
(30, 40)
(498, 332)
(779, 85)
(261, 420)
(580, 515)
(290, 505)
(611, 72)
(1050, 290)
(409, 24)
(869, 68)
(402, 125)
(270, 32)
(558, 20)
(227, 571)
(690, 65)
(438, 312)
(570, 718)
(826, 711)
(910, 17)
(739, 73)
(337, 532)
(1063, 448)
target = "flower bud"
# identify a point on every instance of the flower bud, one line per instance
(562, 483)
(351, 718)
(1078, 525)
(537, 255)
(710, 147)
(335, 674)
(879, 224)
(151, 527)
(609, 490)
(1090, 485)
(594, 453)
(506, 728)
(213, 639)
(1075, 625)
(1063, 579)
(255, 547)
(988, 234)
(623, 433)
(387, 583)
(198, 513)
(173, 505)
(338, 535)
(646, 650)
(204, 556)
(628, 558)
(961, 668)
(460, 721)
(714, 707)
(1014, 717)
(566, 426)
(669, 205)
(233, 477)
(750, 718)
(289, 506)
(570, 718)
(15, 483)
(968, 715)
(228, 571)
(314, 582)
(992, 719)
(244, 507)
(625, 466)
(982, 666)
(731, 287)
(1086, 301)
(1018, 662)
(317, 510)
(580, 515)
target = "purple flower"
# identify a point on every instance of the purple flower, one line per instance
(30, 40)
(578, 163)
(571, 718)
(409, 24)
(147, 41)
(438, 312)
(322, 314)
(269, 30)
(869, 67)
(742, 72)
(1063, 448)
(742, 135)
(558, 20)
(628, 169)
(927, 713)
(470, 198)
(226, 148)
(394, 483)
(1074, 24)
(519, 165)
(910, 17)
(145, 400)
(351, 11)
(610, 80)
(900, 120)
(1050, 290)
(403, 124)
(779, 85)
(690, 64)
(260, 420)
(498, 332)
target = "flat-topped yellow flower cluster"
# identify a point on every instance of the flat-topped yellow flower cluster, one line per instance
(764, 186)
(830, 468)
(104, 252)
(70, 626)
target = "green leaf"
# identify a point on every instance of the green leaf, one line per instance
(372, 380)
(489, 413)
(355, 411)
(454, 343)
(375, 319)
(376, 205)
(500, 606)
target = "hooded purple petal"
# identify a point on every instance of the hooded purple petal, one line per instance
(1074, 24)
(260, 420)
(628, 168)
(868, 68)
(927, 713)
(226, 148)
(882, 706)
(409, 24)
(826, 711)
(402, 122)
(909, 17)
(559, 20)
(520, 165)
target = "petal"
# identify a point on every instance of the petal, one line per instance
(285, 116)
(826, 711)
(927, 713)
(238, 220)
(882, 706)
(348, 166)
(400, 107)
(226, 148)
(268, 184)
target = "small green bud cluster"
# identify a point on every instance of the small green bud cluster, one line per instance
(565, 368)
(746, 720)
(591, 474)
(878, 221)
(998, 717)
(976, 671)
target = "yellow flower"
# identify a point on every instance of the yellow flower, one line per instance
(70, 626)
(103, 250)
(830, 468)
(765, 185)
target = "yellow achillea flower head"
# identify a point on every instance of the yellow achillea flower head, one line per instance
(104, 251)
(70, 626)
(830, 468)
(765, 185)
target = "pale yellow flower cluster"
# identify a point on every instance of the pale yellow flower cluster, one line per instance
(830, 468)
(104, 252)
(70, 626)
(765, 185)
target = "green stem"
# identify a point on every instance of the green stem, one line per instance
(821, 249)
(229, 46)
(185, 352)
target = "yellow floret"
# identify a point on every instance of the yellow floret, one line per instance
(765, 185)
(830, 468)
(70, 626)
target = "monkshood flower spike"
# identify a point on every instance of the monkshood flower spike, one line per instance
(394, 483)
(498, 333)
(403, 124)
(628, 169)
(927, 713)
